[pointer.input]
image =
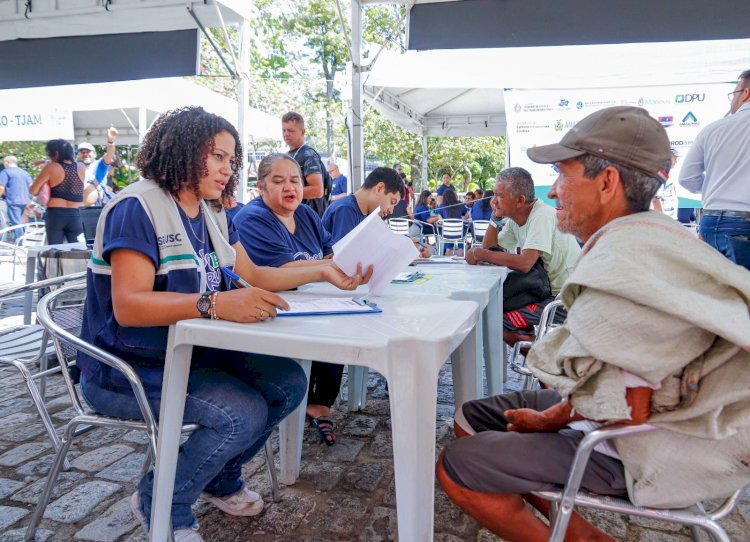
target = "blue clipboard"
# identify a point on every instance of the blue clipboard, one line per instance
(372, 308)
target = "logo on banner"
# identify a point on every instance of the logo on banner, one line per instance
(517, 108)
(666, 121)
(689, 98)
(689, 120)
(579, 105)
(563, 103)
(558, 125)
(681, 143)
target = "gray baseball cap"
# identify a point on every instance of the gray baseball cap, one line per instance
(624, 135)
(85, 147)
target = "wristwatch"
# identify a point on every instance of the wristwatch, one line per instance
(204, 305)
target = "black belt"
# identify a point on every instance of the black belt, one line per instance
(735, 214)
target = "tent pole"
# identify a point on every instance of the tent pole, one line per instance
(142, 121)
(356, 160)
(243, 98)
(425, 175)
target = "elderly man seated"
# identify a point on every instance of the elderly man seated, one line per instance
(657, 330)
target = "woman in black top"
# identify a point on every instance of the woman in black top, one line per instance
(65, 178)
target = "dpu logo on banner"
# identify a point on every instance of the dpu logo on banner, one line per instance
(33, 123)
(540, 117)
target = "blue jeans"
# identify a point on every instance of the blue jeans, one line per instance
(728, 235)
(237, 399)
(15, 212)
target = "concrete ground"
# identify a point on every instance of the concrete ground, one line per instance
(344, 493)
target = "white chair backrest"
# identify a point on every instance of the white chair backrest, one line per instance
(34, 236)
(479, 227)
(453, 228)
(399, 226)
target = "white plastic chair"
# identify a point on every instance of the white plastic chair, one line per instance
(565, 500)
(478, 231)
(450, 232)
(29, 234)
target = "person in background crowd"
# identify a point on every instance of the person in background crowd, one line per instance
(446, 185)
(531, 226)
(14, 189)
(482, 208)
(469, 199)
(424, 211)
(665, 200)
(717, 166)
(97, 169)
(339, 182)
(65, 178)
(627, 354)
(408, 190)
(382, 188)
(231, 206)
(452, 208)
(317, 181)
(277, 231)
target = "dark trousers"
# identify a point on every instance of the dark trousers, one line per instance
(63, 225)
(325, 383)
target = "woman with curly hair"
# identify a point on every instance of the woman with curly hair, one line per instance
(65, 178)
(161, 248)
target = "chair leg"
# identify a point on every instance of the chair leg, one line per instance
(51, 479)
(37, 399)
(272, 471)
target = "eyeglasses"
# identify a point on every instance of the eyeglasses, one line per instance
(730, 95)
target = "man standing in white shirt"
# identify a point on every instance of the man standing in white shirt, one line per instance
(718, 166)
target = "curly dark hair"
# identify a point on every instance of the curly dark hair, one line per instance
(174, 151)
(59, 150)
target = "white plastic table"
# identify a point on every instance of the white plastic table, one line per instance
(32, 254)
(407, 343)
(460, 281)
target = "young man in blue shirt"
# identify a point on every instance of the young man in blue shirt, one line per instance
(382, 188)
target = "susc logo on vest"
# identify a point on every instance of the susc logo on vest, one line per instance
(169, 239)
(688, 98)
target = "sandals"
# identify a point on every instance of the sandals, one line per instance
(325, 427)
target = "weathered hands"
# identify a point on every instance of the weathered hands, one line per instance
(526, 420)
(248, 305)
(474, 256)
(333, 274)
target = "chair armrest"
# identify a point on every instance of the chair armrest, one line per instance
(585, 447)
(73, 277)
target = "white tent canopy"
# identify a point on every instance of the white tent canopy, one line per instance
(460, 92)
(132, 106)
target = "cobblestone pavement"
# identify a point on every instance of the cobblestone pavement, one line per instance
(344, 493)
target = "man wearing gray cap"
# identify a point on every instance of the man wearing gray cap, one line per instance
(633, 348)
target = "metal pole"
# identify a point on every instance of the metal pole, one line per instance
(356, 160)
(243, 98)
(425, 175)
(142, 124)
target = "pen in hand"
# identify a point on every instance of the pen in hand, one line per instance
(235, 278)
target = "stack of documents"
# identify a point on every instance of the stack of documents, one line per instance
(328, 305)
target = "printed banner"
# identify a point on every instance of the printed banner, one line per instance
(540, 117)
(34, 123)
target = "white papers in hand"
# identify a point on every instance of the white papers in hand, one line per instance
(373, 243)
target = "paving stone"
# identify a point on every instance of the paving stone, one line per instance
(96, 460)
(14, 406)
(41, 465)
(340, 516)
(322, 476)
(19, 454)
(345, 450)
(609, 522)
(9, 515)
(382, 526)
(736, 528)
(445, 537)
(382, 445)
(360, 426)
(17, 535)
(63, 401)
(8, 486)
(486, 536)
(65, 414)
(65, 482)
(126, 469)
(450, 518)
(75, 505)
(659, 536)
(377, 407)
(282, 518)
(364, 476)
(115, 522)
(649, 523)
(23, 433)
(100, 437)
(18, 419)
(139, 437)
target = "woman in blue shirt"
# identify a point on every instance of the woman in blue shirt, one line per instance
(482, 210)
(423, 210)
(160, 248)
(277, 230)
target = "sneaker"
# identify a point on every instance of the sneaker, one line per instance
(180, 535)
(242, 503)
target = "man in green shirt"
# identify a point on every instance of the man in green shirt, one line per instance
(531, 230)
